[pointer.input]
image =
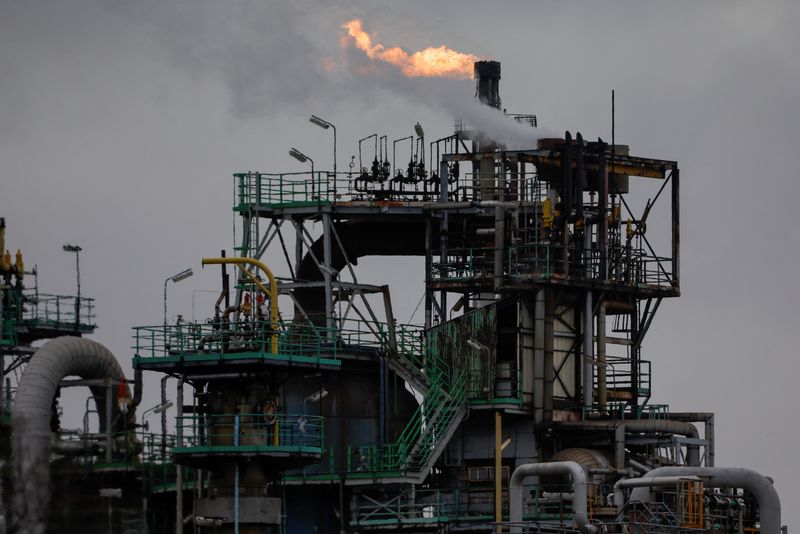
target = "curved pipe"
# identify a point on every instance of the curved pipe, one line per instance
(272, 291)
(30, 420)
(579, 490)
(769, 504)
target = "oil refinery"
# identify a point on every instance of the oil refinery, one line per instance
(521, 403)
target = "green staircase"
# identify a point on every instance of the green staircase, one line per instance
(443, 407)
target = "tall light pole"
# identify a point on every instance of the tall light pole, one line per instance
(322, 123)
(302, 158)
(183, 275)
(77, 250)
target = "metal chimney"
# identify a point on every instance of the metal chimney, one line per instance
(487, 82)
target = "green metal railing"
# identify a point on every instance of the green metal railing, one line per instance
(222, 338)
(264, 189)
(247, 431)
(59, 311)
(417, 443)
(546, 260)
(422, 507)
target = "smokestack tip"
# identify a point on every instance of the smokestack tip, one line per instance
(487, 69)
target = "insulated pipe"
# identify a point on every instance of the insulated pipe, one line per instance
(769, 504)
(272, 291)
(579, 489)
(645, 482)
(30, 420)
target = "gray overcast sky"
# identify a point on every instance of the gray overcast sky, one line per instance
(121, 123)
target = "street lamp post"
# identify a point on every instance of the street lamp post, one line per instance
(322, 123)
(77, 250)
(302, 158)
(183, 275)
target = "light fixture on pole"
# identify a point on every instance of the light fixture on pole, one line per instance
(183, 275)
(158, 408)
(322, 123)
(302, 158)
(77, 250)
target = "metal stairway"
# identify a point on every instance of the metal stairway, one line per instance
(410, 458)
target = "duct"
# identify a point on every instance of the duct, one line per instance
(30, 420)
(360, 239)
(645, 482)
(579, 490)
(646, 426)
(769, 504)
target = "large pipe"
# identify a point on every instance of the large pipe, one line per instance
(579, 490)
(30, 420)
(769, 504)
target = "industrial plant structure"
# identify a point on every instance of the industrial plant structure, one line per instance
(520, 404)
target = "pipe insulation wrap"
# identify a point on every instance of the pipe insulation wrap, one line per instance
(579, 490)
(30, 420)
(769, 504)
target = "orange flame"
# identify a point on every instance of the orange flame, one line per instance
(432, 62)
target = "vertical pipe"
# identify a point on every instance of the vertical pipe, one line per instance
(164, 417)
(178, 467)
(676, 228)
(602, 392)
(619, 446)
(428, 267)
(109, 430)
(549, 372)
(499, 245)
(498, 470)
(709, 436)
(443, 197)
(602, 209)
(382, 400)
(634, 318)
(236, 477)
(588, 325)
(236, 498)
(538, 358)
(326, 228)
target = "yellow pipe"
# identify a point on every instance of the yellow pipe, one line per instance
(272, 291)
